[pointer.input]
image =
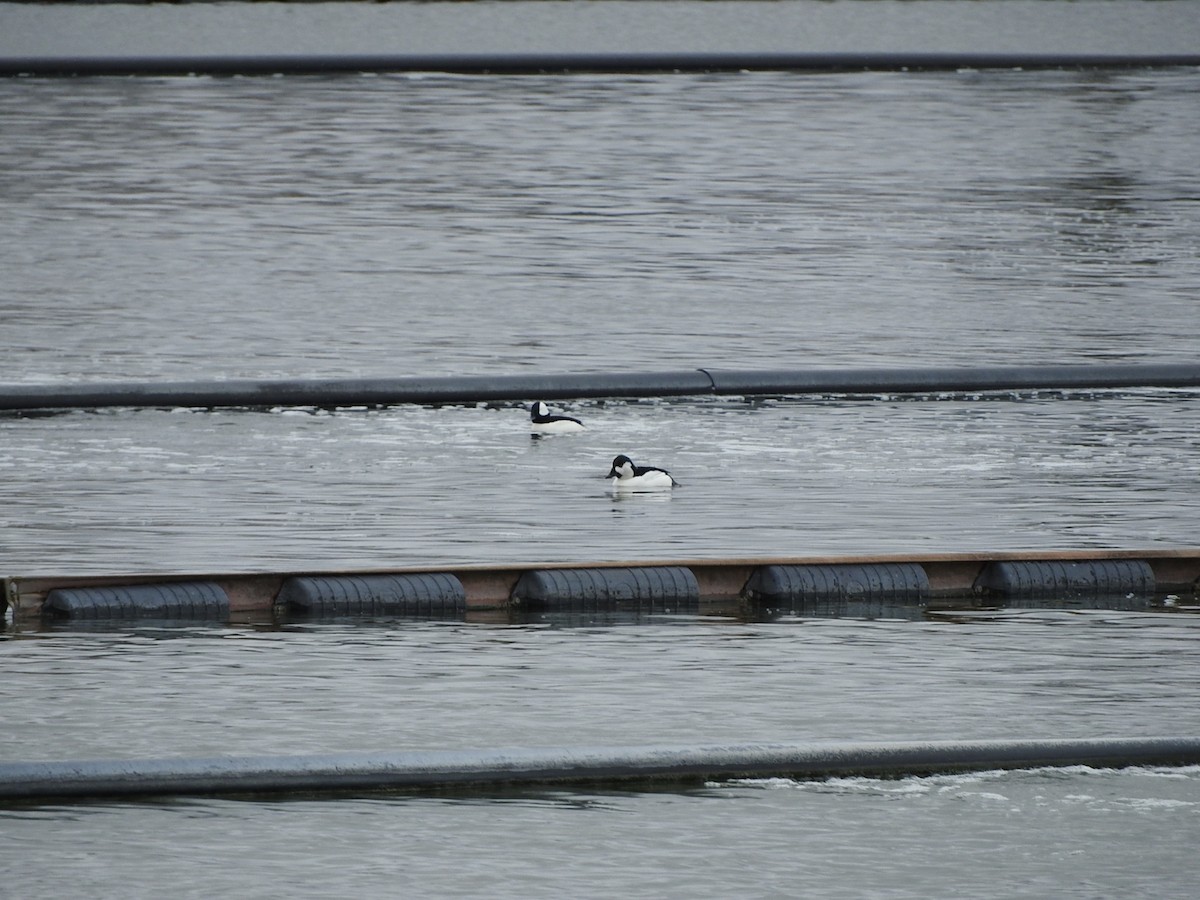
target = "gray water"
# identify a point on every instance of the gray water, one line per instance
(1072, 832)
(422, 27)
(201, 228)
(1046, 833)
(161, 491)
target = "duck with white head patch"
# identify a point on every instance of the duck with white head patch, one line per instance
(628, 477)
(542, 421)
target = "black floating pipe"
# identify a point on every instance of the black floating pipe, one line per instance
(354, 391)
(33, 781)
(333, 392)
(954, 380)
(535, 63)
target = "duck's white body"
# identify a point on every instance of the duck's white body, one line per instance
(628, 477)
(542, 422)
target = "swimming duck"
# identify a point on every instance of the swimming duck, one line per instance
(542, 422)
(628, 477)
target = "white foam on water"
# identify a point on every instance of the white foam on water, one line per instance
(960, 783)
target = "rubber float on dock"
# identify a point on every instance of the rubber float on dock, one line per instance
(800, 585)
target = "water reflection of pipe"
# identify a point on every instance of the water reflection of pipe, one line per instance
(595, 766)
(333, 392)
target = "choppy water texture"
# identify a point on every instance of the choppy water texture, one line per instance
(199, 228)
(235, 490)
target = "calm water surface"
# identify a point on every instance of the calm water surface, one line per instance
(132, 693)
(201, 228)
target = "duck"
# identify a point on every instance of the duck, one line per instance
(542, 421)
(628, 477)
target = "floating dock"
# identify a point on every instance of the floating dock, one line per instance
(732, 587)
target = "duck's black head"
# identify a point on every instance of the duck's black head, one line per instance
(620, 464)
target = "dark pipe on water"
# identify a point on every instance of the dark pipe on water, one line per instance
(335, 392)
(425, 770)
(600, 63)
